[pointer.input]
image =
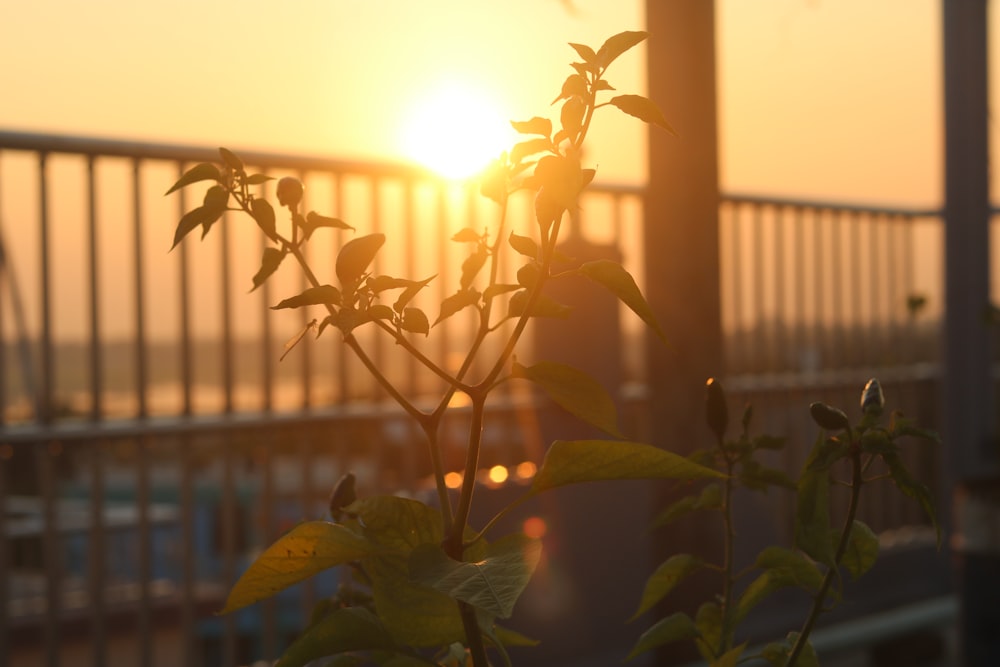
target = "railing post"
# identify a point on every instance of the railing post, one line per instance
(969, 400)
(681, 232)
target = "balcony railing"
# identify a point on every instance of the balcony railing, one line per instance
(150, 439)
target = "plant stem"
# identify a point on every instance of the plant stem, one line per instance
(831, 574)
(726, 636)
(473, 635)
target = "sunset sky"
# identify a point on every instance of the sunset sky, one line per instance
(838, 99)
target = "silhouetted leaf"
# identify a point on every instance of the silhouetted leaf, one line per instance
(467, 235)
(415, 321)
(313, 296)
(258, 179)
(206, 171)
(673, 628)
(307, 549)
(544, 306)
(575, 85)
(231, 160)
(472, 265)
(527, 275)
(269, 263)
(354, 258)
(571, 115)
(193, 219)
(411, 291)
(576, 461)
(536, 125)
(456, 302)
(492, 583)
(263, 214)
(615, 278)
(574, 391)
(497, 289)
(665, 578)
(342, 630)
(530, 147)
(314, 221)
(584, 52)
(642, 108)
(524, 245)
(616, 45)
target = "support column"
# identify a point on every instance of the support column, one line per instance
(681, 232)
(969, 403)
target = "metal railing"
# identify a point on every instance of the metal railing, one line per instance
(143, 411)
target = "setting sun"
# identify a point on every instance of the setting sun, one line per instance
(456, 129)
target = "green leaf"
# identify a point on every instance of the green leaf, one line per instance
(456, 302)
(730, 658)
(509, 637)
(673, 628)
(615, 278)
(642, 108)
(574, 391)
(413, 614)
(777, 653)
(665, 578)
(206, 171)
(342, 630)
(616, 45)
(825, 453)
(307, 549)
(492, 584)
(313, 296)
(812, 516)
(354, 258)
(576, 461)
(710, 498)
(782, 568)
(536, 125)
(756, 476)
(263, 214)
(415, 321)
(862, 549)
(914, 489)
(524, 245)
(708, 620)
(269, 263)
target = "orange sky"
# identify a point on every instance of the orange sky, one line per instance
(833, 99)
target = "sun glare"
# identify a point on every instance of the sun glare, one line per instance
(456, 129)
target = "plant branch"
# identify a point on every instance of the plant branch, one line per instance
(831, 573)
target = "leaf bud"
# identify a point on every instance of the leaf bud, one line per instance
(716, 413)
(343, 495)
(290, 192)
(828, 417)
(547, 209)
(872, 398)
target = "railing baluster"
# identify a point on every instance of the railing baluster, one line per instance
(226, 308)
(145, 538)
(6, 456)
(97, 566)
(96, 369)
(43, 401)
(266, 338)
(188, 546)
(268, 503)
(228, 518)
(52, 551)
(141, 373)
(185, 309)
